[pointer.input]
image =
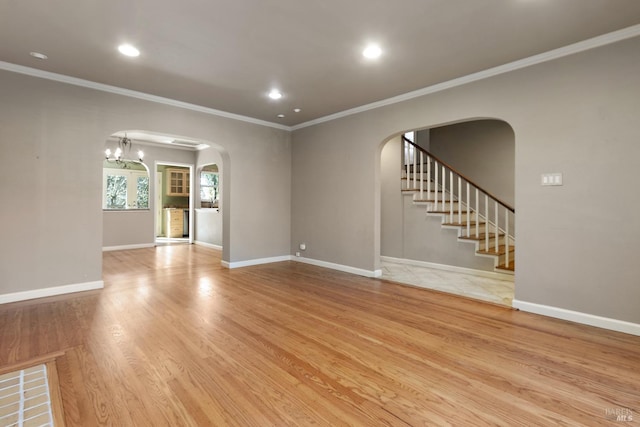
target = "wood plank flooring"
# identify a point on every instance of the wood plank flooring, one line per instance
(176, 340)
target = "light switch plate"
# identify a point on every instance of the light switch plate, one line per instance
(551, 179)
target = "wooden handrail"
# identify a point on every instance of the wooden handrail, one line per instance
(404, 138)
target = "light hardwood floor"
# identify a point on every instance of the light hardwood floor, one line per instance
(174, 339)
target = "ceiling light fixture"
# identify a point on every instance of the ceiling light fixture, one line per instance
(275, 94)
(121, 152)
(128, 50)
(372, 51)
(296, 110)
(281, 116)
(38, 55)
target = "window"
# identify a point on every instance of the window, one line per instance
(125, 186)
(209, 187)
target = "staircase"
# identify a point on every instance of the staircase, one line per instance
(480, 218)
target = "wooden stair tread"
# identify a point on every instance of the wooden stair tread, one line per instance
(510, 267)
(432, 201)
(448, 212)
(424, 190)
(502, 249)
(481, 236)
(463, 224)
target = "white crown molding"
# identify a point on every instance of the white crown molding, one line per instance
(605, 39)
(49, 292)
(571, 49)
(20, 69)
(578, 317)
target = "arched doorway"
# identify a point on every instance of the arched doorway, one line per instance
(420, 242)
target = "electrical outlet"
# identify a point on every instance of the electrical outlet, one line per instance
(297, 253)
(303, 246)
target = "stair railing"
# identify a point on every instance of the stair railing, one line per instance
(438, 181)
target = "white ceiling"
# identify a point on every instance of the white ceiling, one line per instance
(227, 55)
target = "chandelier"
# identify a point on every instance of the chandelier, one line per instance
(121, 153)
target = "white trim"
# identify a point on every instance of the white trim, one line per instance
(339, 267)
(133, 94)
(603, 40)
(49, 292)
(453, 268)
(257, 261)
(578, 317)
(207, 245)
(127, 247)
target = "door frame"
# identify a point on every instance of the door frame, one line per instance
(158, 208)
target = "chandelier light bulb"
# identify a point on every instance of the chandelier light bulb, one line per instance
(107, 153)
(140, 155)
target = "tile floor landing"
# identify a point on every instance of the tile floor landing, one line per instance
(497, 290)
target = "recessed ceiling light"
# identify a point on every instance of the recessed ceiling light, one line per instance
(275, 94)
(281, 116)
(128, 50)
(372, 51)
(38, 55)
(296, 110)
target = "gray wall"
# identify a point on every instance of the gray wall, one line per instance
(574, 115)
(483, 151)
(52, 137)
(407, 232)
(208, 226)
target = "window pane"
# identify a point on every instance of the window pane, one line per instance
(142, 199)
(208, 187)
(206, 194)
(116, 192)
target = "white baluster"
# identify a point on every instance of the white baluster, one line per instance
(428, 177)
(421, 175)
(459, 200)
(477, 213)
(486, 225)
(451, 196)
(468, 212)
(435, 164)
(406, 164)
(506, 236)
(444, 187)
(496, 208)
(415, 169)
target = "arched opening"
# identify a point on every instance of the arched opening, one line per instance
(208, 213)
(420, 243)
(172, 167)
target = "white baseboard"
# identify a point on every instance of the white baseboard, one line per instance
(452, 268)
(125, 247)
(578, 317)
(257, 261)
(207, 245)
(339, 267)
(49, 292)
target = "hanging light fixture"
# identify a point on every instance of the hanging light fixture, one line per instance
(121, 153)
